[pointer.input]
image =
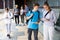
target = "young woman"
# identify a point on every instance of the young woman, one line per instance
(8, 16)
(22, 15)
(49, 19)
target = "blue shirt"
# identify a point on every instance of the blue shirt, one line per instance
(35, 18)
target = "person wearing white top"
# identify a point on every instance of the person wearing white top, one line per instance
(22, 15)
(7, 18)
(21, 11)
(49, 19)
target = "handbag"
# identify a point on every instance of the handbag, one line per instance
(11, 15)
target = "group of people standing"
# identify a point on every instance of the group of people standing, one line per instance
(20, 12)
(15, 15)
(47, 16)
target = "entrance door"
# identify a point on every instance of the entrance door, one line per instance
(19, 3)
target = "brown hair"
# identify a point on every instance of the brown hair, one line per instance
(36, 4)
(46, 3)
(7, 9)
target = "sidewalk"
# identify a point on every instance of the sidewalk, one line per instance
(20, 32)
(17, 32)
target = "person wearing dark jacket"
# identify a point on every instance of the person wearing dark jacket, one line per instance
(16, 14)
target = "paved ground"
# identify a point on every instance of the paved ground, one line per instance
(17, 32)
(20, 32)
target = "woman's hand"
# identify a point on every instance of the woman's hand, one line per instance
(45, 19)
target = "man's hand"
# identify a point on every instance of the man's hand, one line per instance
(36, 22)
(29, 17)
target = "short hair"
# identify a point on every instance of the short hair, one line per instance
(36, 4)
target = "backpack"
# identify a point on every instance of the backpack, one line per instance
(32, 16)
(11, 15)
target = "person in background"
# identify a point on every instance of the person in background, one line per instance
(22, 15)
(34, 16)
(49, 19)
(26, 9)
(16, 15)
(7, 16)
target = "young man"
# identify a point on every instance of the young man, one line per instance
(16, 14)
(34, 18)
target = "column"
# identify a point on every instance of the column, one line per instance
(8, 3)
(3, 4)
(13, 4)
(24, 1)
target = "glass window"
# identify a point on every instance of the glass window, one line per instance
(1, 4)
(10, 4)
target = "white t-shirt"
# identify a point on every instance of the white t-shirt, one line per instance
(21, 11)
(7, 17)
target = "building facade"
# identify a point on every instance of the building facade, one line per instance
(6, 3)
(11, 3)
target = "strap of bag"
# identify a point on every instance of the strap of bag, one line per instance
(47, 13)
(38, 14)
(31, 12)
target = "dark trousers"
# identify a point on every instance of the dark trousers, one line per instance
(22, 18)
(35, 34)
(17, 19)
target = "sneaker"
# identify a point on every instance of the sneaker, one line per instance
(8, 35)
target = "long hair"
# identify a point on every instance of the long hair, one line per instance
(7, 9)
(46, 3)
